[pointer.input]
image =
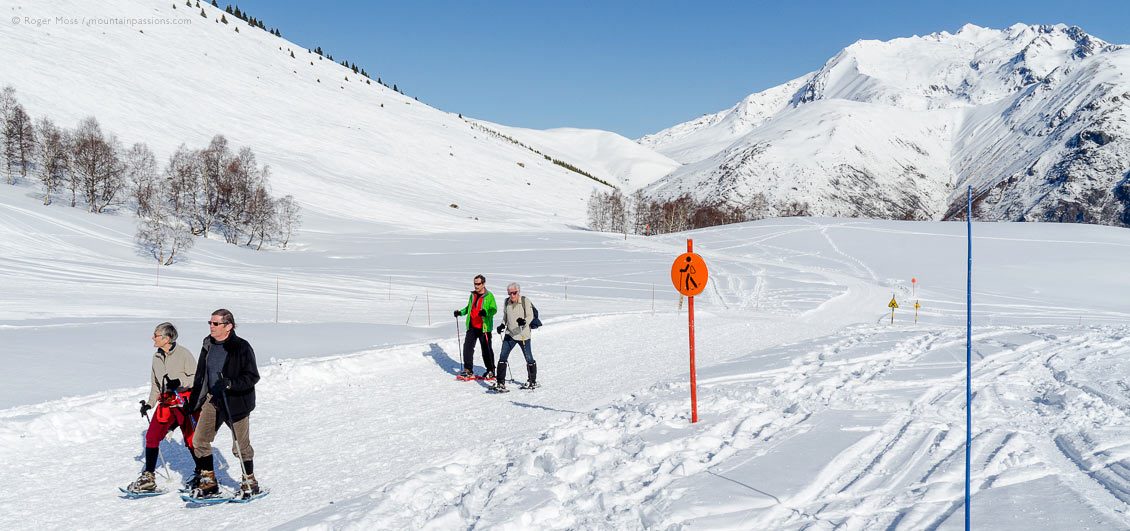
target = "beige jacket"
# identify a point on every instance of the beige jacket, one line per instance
(510, 314)
(178, 365)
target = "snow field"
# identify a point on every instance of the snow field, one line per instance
(815, 411)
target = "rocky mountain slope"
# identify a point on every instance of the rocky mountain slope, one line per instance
(1034, 118)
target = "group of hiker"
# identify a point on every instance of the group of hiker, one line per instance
(199, 395)
(518, 319)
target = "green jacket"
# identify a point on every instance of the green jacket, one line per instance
(489, 305)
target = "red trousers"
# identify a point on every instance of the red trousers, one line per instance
(164, 420)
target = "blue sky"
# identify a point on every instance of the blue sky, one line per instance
(630, 67)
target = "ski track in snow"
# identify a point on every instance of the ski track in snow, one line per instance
(619, 466)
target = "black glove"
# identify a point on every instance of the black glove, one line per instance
(521, 321)
(501, 327)
(482, 313)
(145, 408)
(457, 313)
(172, 385)
(223, 385)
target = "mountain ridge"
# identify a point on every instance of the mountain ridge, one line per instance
(1033, 117)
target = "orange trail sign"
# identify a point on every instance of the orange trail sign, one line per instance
(689, 276)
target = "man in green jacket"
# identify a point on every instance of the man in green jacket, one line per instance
(480, 310)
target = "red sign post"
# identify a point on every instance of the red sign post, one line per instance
(689, 276)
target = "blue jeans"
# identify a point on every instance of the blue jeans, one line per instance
(508, 345)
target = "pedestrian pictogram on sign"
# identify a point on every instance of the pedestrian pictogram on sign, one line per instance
(689, 274)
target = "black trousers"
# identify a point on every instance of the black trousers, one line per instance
(469, 349)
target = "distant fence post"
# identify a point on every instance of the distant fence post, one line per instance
(410, 308)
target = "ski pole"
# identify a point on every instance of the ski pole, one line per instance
(168, 475)
(165, 465)
(457, 334)
(231, 425)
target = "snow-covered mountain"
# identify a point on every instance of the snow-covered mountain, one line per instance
(160, 73)
(1034, 118)
(698, 139)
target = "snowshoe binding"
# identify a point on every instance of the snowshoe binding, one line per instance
(144, 487)
(207, 491)
(465, 376)
(249, 490)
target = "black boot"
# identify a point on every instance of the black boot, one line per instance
(194, 479)
(532, 376)
(500, 378)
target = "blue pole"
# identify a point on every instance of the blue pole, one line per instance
(968, 350)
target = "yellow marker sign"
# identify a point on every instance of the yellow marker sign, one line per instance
(892, 305)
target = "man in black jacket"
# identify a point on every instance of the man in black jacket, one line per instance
(223, 391)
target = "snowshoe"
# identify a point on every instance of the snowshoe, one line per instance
(211, 499)
(496, 388)
(245, 497)
(465, 376)
(136, 495)
(529, 386)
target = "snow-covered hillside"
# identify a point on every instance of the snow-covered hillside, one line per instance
(608, 156)
(1035, 118)
(153, 73)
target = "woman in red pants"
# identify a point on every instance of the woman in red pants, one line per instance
(169, 386)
